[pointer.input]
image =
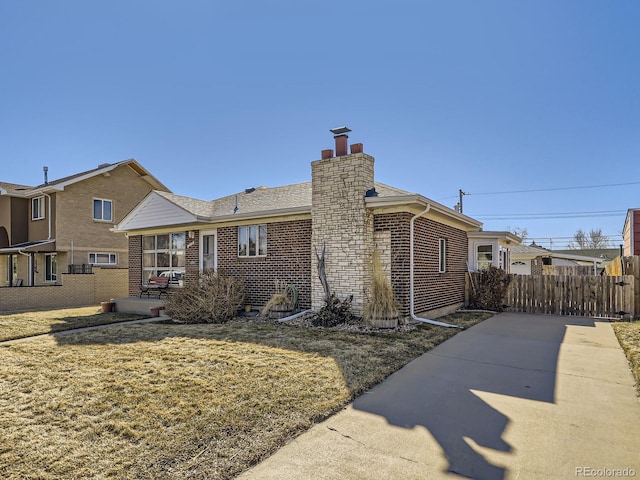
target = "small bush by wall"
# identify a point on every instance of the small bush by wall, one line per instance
(489, 289)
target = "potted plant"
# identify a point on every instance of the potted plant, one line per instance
(381, 308)
(279, 305)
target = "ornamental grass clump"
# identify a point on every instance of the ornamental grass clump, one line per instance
(381, 306)
(279, 299)
(214, 297)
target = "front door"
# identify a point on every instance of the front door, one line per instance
(208, 258)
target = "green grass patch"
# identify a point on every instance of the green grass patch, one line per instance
(28, 324)
(160, 400)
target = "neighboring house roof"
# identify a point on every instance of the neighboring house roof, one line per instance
(160, 209)
(530, 251)
(59, 184)
(606, 254)
(26, 246)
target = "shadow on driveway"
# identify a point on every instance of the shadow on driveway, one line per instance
(502, 355)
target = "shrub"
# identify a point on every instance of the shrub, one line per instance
(334, 312)
(214, 297)
(489, 288)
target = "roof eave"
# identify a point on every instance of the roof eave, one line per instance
(200, 220)
(422, 201)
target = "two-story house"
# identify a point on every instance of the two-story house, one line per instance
(51, 228)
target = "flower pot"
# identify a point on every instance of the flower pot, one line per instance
(384, 322)
(280, 311)
(106, 306)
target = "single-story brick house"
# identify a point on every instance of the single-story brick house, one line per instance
(264, 234)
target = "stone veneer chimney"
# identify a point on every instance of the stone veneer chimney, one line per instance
(341, 222)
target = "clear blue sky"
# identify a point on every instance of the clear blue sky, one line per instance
(214, 97)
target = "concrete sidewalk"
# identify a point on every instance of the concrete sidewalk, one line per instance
(517, 396)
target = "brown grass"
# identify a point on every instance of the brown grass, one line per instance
(628, 334)
(175, 401)
(28, 324)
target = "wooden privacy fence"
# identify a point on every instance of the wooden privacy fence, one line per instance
(580, 295)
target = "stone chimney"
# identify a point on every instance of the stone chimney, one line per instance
(341, 222)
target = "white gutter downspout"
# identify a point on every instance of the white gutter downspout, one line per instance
(49, 212)
(30, 257)
(413, 315)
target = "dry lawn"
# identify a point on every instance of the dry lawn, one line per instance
(28, 324)
(628, 334)
(169, 401)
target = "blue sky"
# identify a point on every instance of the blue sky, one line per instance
(214, 97)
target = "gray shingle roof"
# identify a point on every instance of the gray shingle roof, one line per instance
(261, 199)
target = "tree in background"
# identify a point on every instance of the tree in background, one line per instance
(593, 239)
(523, 233)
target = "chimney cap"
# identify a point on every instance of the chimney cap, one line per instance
(340, 130)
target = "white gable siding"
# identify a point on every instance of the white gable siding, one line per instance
(156, 211)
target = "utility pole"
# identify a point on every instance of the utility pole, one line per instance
(462, 194)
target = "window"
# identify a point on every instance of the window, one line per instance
(102, 210)
(50, 267)
(103, 258)
(163, 255)
(442, 255)
(252, 241)
(37, 208)
(485, 256)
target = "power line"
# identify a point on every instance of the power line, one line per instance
(554, 189)
(548, 215)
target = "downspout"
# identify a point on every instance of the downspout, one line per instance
(30, 266)
(411, 301)
(49, 212)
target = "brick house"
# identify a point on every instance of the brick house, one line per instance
(264, 234)
(47, 228)
(631, 233)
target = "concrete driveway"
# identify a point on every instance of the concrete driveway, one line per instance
(517, 396)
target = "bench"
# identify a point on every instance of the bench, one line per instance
(156, 286)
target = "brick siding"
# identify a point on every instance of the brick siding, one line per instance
(432, 290)
(135, 264)
(288, 259)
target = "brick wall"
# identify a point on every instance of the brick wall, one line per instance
(288, 259)
(343, 224)
(74, 291)
(536, 265)
(135, 264)
(432, 290)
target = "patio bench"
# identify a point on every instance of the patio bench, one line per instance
(156, 286)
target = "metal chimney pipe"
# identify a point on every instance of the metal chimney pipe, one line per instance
(340, 135)
(46, 176)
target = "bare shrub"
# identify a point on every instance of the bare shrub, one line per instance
(214, 297)
(489, 288)
(334, 312)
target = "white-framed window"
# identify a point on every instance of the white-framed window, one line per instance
(442, 255)
(252, 241)
(37, 208)
(50, 267)
(485, 256)
(103, 258)
(102, 210)
(164, 256)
